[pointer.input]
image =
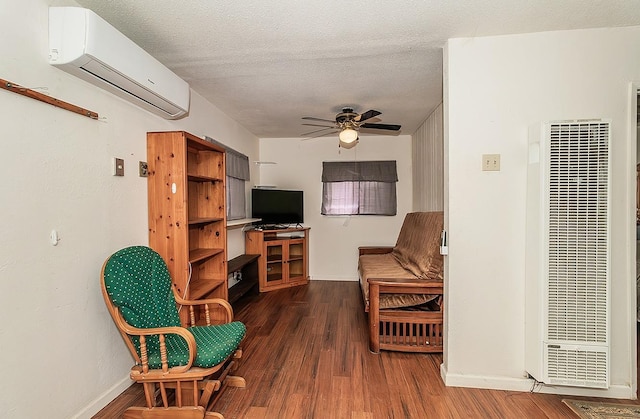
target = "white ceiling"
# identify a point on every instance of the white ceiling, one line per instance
(268, 63)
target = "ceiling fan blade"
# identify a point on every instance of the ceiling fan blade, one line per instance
(318, 130)
(311, 118)
(317, 125)
(388, 127)
(319, 135)
(367, 115)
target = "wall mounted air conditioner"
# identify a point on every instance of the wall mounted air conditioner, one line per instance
(567, 330)
(83, 44)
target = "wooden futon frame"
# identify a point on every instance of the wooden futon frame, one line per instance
(405, 320)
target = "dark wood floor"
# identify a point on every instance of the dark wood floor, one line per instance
(306, 356)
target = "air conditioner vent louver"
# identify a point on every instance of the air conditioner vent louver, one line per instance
(578, 234)
(568, 277)
(573, 365)
(129, 88)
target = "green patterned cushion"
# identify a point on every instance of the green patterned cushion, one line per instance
(138, 283)
(214, 343)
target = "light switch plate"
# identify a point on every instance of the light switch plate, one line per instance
(143, 169)
(491, 162)
(118, 167)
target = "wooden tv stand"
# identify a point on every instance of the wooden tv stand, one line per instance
(284, 256)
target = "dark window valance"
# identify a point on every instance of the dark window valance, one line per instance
(237, 163)
(359, 171)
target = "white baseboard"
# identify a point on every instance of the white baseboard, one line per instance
(104, 399)
(527, 385)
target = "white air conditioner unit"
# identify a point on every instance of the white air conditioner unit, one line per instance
(83, 44)
(567, 282)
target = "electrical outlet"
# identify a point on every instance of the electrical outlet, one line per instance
(491, 162)
(118, 167)
(143, 169)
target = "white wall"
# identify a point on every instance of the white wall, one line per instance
(496, 88)
(427, 156)
(61, 353)
(334, 240)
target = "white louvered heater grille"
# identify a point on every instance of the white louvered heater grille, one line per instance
(575, 253)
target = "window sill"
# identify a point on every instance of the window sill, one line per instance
(242, 222)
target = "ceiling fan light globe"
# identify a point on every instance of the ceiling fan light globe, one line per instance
(348, 135)
(348, 145)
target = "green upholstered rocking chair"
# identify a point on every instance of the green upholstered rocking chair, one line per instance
(193, 361)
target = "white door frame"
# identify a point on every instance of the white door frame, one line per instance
(634, 91)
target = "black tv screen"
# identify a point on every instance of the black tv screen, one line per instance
(277, 206)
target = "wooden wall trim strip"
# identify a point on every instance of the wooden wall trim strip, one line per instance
(16, 88)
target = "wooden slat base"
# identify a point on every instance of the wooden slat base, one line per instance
(400, 329)
(410, 331)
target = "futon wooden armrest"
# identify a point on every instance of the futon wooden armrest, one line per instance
(405, 286)
(218, 304)
(162, 331)
(374, 250)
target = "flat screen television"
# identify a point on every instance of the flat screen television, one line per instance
(277, 206)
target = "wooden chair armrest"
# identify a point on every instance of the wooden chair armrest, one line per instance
(161, 332)
(374, 250)
(405, 286)
(217, 303)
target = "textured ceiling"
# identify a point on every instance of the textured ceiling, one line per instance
(267, 64)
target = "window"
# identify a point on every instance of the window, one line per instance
(359, 187)
(237, 168)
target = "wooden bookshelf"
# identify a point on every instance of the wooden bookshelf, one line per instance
(187, 215)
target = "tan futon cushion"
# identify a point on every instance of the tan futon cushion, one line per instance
(385, 266)
(418, 246)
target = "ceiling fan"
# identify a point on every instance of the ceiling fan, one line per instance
(348, 123)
